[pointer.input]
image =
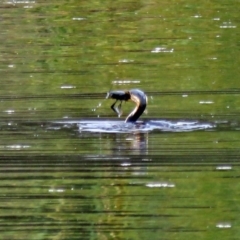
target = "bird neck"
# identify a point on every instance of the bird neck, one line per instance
(141, 101)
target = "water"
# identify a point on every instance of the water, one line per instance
(70, 168)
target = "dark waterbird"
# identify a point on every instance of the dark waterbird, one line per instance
(135, 95)
(131, 124)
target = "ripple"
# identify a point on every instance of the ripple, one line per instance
(119, 126)
(160, 185)
(224, 225)
(162, 49)
(224, 167)
(17, 146)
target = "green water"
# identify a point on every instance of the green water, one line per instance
(58, 60)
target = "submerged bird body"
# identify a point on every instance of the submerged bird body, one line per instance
(135, 95)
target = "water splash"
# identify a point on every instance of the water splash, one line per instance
(119, 126)
(98, 106)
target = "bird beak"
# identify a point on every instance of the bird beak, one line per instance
(107, 95)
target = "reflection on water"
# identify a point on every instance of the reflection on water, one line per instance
(73, 183)
(66, 174)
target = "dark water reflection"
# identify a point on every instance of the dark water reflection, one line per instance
(76, 195)
(64, 183)
(70, 169)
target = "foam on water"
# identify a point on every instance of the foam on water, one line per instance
(118, 126)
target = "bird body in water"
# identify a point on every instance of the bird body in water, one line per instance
(140, 99)
(135, 95)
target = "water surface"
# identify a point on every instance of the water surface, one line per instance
(70, 169)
